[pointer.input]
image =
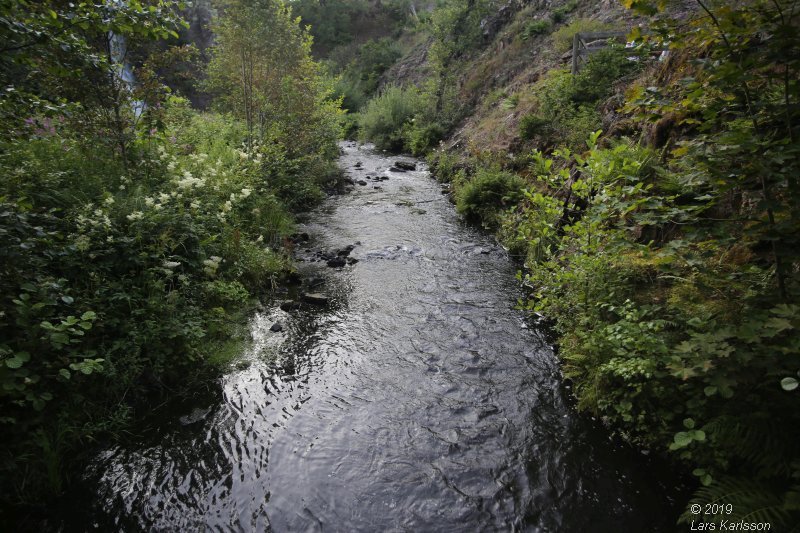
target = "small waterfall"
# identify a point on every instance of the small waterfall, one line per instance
(119, 51)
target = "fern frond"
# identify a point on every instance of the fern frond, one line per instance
(749, 501)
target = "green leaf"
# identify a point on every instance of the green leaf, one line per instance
(789, 384)
(64, 373)
(682, 439)
(67, 299)
(688, 423)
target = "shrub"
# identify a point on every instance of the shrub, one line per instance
(444, 165)
(560, 13)
(537, 27)
(421, 138)
(385, 116)
(532, 125)
(485, 195)
(601, 70)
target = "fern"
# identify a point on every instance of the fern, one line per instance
(750, 501)
(761, 440)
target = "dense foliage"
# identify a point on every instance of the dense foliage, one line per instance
(670, 264)
(135, 230)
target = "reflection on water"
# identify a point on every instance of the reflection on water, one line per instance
(416, 400)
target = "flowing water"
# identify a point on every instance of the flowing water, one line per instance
(419, 399)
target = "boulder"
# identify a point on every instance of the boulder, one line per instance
(276, 327)
(395, 169)
(336, 262)
(315, 298)
(344, 252)
(403, 165)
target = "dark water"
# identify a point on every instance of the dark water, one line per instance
(418, 400)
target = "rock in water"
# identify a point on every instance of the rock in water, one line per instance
(336, 262)
(289, 306)
(395, 169)
(315, 298)
(403, 165)
(276, 327)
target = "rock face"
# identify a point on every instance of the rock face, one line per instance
(315, 298)
(403, 165)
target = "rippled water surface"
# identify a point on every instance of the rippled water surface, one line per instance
(417, 400)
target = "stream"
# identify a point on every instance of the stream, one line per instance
(417, 399)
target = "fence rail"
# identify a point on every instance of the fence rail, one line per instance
(585, 44)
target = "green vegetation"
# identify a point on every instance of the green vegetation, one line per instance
(360, 75)
(136, 231)
(669, 264)
(559, 14)
(386, 115)
(563, 36)
(537, 27)
(483, 197)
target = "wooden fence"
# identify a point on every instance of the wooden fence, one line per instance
(585, 44)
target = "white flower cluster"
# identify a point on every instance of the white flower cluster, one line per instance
(188, 181)
(211, 265)
(96, 219)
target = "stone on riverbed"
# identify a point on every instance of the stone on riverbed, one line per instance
(315, 298)
(336, 262)
(290, 306)
(403, 165)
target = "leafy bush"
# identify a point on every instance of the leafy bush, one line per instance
(673, 341)
(532, 125)
(595, 79)
(385, 117)
(559, 14)
(568, 104)
(419, 138)
(490, 191)
(534, 28)
(444, 165)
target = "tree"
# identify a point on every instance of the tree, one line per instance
(262, 72)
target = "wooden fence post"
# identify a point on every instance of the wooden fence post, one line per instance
(576, 41)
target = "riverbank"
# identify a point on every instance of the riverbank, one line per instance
(416, 397)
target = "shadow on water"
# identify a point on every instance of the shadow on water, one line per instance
(416, 399)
